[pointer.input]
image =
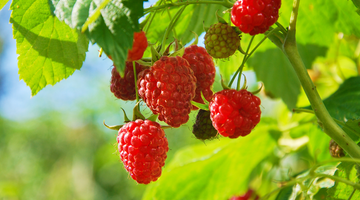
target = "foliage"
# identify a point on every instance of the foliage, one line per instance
(285, 157)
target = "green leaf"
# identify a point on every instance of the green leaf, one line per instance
(191, 20)
(320, 20)
(285, 193)
(3, 3)
(274, 69)
(352, 129)
(216, 170)
(340, 190)
(49, 49)
(344, 103)
(318, 144)
(114, 28)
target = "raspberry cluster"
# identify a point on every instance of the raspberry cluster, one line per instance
(142, 146)
(255, 16)
(167, 88)
(203, 128)
(234, 113)
(221, 40)
(204, 70)
(124, 87)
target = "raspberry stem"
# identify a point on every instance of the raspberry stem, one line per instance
(273, 31)
(330, 127)
(170, 27)
(135, 79)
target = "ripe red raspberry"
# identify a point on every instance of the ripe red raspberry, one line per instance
(142, 146)
(204, 70)
(139, 46)
(167, 88)
(221, 40)
(234, 113)
(124, 87)
(203, 128)
(255, 16)
(249, 195)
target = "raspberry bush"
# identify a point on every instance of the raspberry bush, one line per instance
(283, 151)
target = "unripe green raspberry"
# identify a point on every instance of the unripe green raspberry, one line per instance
(221, 40)
(203, 128)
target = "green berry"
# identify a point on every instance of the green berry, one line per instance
(203, 128)
(221, 40)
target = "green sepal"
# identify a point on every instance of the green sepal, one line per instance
(224, 86)
(115, 127)
(126, 119)
(237, 30)
(245, 82)
(179, 52)
(200, 105)
(204, 99)
(144, 63)
(196, 41)
(136, 112)
(167, 50)
(155, 55)
(220, 19)
(258, 90)
(153, 117)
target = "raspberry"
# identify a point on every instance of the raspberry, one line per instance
(221, 40)
(139, 46)
(124, 88)
(255, 16)
(142, 146)
(167, 88)
(203, 128)
(249, 195)
(335, 150)
(204, 70)
(234, 113)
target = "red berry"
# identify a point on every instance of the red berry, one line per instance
(143, 146)
(124, 87)
(139, 46)
(255, 16)
(167, 89)
(249, 195)
(234, 113)
(204, 70)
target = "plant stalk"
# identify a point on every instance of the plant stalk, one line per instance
(329, 126)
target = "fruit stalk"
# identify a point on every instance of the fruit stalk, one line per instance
(325, 120)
